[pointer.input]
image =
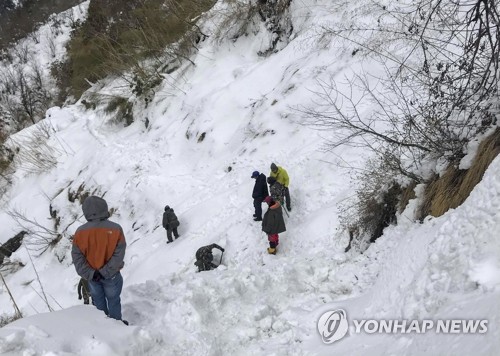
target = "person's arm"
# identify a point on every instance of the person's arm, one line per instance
(165, 221)
(115, 263)
(286, 179)
(81, 265)
(217, 246)
(263, 189)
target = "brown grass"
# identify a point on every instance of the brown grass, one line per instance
(455, 185)
(407, 194)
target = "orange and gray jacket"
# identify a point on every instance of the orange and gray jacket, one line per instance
(99, 244)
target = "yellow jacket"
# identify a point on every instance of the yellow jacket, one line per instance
(281, 176)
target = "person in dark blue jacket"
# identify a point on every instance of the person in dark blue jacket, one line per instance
(260, 191)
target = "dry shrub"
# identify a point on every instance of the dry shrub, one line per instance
(36, 155)
(374, 206)
(81, 193)
(237, 20)
(7, 319)
(118, 36)
(454, 186)
(122, 109)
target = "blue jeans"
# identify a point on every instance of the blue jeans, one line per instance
(106, 295)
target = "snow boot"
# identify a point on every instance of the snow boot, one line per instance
(271, 250)
(257, 219)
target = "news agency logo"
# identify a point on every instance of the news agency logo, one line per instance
(333, 326)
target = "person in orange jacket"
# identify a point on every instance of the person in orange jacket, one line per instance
(98, 252)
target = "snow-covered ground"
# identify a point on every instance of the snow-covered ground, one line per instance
(255, 303)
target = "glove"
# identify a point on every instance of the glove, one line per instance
(97, 276)
(79, 297)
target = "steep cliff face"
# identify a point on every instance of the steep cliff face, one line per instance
(19, 18)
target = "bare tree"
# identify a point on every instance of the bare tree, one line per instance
(440, 89)
(51, 45)
(18, 314)
(40, 238)
(22, 52)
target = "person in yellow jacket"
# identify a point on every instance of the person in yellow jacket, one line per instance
(281, 176)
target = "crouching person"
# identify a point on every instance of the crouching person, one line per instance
(98, 252)
(204, 257)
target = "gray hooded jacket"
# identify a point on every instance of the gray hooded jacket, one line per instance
(99, 244)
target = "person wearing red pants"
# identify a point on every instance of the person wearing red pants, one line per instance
(273, 223)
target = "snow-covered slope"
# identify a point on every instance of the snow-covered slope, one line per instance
(255, 303)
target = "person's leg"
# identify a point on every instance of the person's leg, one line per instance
(176, 233)
(112, 290)
(257, 203)
(98, 296)
(273, 240)
(169, 235)
(288, 201)
(272, 243)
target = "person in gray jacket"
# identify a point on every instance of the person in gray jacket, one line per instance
(98, 252)
(170, 223)
(276, 190)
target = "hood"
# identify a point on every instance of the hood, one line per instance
(95, 208)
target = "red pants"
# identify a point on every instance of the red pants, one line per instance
(274, 240)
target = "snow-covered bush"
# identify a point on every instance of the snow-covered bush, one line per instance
(35, 154)
(434, 92)
(236, 18)
(7, 319)
(122, 109)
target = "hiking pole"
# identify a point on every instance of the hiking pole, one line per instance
(221, 257)
(283, 207)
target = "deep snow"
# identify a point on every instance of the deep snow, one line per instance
(255, 303)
